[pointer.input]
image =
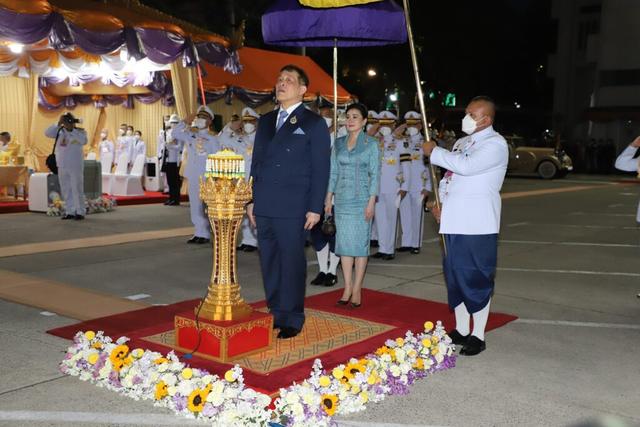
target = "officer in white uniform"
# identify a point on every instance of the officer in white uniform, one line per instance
(230, 137)
(123, 144)
(199, 142)
(139, 147)
(372, 130)
(394, 184)
(169, 156)
(106, 146)
(419, 184)
(70, 162)
(244, 146)
(470, 219)
(629, 161)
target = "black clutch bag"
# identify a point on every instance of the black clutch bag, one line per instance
(329, 226)
(51, 163)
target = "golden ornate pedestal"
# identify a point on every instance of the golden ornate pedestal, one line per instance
(223, 326)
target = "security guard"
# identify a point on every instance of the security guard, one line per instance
(394, 176)
(169, 156)
(419, 183)
(199, 142)
(69, 159)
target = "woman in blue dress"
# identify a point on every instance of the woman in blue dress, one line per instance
(353, 187)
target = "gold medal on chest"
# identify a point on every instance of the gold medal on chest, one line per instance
(293, 120)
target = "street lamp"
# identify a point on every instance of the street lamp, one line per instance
(393, 97)
(371, 72)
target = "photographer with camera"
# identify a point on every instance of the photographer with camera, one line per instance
(69, 140)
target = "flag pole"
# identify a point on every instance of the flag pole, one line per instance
(423, 111)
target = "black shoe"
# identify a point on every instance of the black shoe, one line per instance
(68, 217)
(78, 217)
(473, 346)
(288, 332)
(173, 203)
(457, 338)
(355, 305)
(202, 240)
(241, 247)
(378, 255)
(167, 202)
(388, 257)
(415, 251)
(404, 249)
(330, 280)
(249, 248)
(194, 239)
(319, 280)
(342, 302)
(374, 244)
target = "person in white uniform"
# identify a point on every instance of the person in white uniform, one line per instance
(199, 142)
(139, 146)
(629, 161)
(231, 134)
(411, 207)
(249, 242)
(372, 130)
(169, 156)
(123, 144)
(394, 176)
(470, 219)
(106, 146)
(69, 141)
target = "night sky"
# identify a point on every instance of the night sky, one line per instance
(469, 48)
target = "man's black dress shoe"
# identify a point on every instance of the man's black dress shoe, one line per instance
(457, 338)
(167, 202)
(241, 247)
(388, 257)
(249, 248)
(404, 249)
(173, 203)
(319, 279)
(378, 255)
(374, 244)
(202, 240)
(415, 251)
(68, 217)
(194, 239)
(330, 280)
(78, 217)
(473, 346)
(288, 332)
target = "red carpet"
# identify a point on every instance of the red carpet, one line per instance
(400, 312)
(148, 198)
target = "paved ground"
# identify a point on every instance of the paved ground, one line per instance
(568, 267)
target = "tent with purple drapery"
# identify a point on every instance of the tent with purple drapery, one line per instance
(72, 54)
(346, 23)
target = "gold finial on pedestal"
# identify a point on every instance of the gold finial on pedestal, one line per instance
(226, 194)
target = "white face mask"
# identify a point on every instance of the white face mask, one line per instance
(199, 123)
(385, 131)
(412, 131)
(468, 125)
(121, 132)
(167, 125)
(129, 132)
(328, 121)
(103, 135)
(249, 127)
(136, 137)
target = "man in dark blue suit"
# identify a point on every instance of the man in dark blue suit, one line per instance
(290, 170)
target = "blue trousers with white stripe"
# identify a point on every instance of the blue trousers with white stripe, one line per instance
(470, 269)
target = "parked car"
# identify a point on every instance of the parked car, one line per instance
(547, 163)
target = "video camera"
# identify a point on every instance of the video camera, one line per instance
(69, 119)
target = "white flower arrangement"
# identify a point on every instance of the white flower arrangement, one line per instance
(195, 393)
(92, 206)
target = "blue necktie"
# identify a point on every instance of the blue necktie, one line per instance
(281, 117)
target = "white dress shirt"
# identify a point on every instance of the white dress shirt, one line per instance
(470, 191)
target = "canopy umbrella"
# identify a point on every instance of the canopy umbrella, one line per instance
(346, 23)
(288, 23)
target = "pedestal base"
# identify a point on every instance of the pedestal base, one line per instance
(224, 341)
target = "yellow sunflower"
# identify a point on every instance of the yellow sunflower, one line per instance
(119, 353)
(329, 403)
(382, 350)
(419, 364)
(161, 390)
(352, 369)
(198, 398)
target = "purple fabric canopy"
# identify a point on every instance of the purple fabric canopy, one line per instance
(288, 23)
(160, 46)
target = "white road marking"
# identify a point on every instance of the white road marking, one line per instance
(628, 194)
(539, 242)
(582, 324)
(48, 313)
(137, 297)
(524, 270)
(601, 214)
(97, 418)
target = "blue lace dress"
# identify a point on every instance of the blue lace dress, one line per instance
(354, 178)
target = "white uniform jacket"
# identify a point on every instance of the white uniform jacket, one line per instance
(69, 146)
(470, 191)
(395, 169)
(198, 144)
(172, 145)
(626, 162)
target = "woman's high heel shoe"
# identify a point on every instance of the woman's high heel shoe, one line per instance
(342, 302)
(355, 305)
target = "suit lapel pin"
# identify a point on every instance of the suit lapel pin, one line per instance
(293, 120)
